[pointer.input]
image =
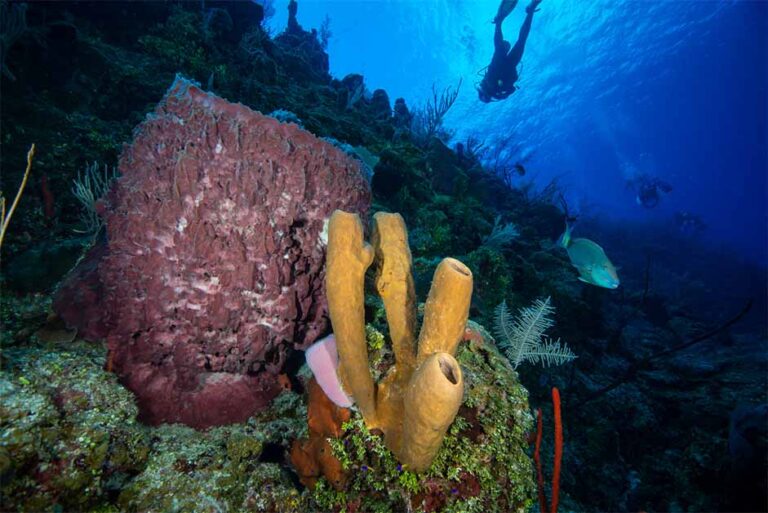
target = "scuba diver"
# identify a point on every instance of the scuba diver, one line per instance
(648, 189)
(501, 74)
(688, 223)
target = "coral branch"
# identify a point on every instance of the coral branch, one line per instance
(6, 219)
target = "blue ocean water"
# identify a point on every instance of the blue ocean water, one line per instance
(676, 90)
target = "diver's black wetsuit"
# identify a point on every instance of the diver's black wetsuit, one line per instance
(501, 75)
(648, 190)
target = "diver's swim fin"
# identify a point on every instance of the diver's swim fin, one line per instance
(505, 7)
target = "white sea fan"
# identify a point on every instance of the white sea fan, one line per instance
(89, 187)
(522, 337)
(502, 234)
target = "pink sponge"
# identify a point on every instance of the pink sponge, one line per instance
(323, 359)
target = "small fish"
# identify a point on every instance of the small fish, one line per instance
(520, 169)
(590, 260)
(505, 7)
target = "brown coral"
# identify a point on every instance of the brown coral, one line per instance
(313, 457)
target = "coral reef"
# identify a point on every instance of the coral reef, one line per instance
(85, 78)
(70, 435)
(214, 261)
(304, 58)
(227, 468)
(71, 442)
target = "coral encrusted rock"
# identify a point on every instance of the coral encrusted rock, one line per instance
(214, 267)
(482, 465)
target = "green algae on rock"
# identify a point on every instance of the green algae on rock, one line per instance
(69, 434)
(482, 466)
(70, 441)
(214, 470)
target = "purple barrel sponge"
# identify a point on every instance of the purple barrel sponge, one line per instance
(214, 263)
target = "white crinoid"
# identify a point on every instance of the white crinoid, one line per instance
(522, 337)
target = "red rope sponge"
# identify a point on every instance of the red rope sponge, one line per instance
(543, 507)
(558, 449)
(539, 473)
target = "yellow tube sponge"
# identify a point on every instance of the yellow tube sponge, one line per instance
(416, 401)
(432, 400)
(347, 259)
(394, 283)
(447, 309)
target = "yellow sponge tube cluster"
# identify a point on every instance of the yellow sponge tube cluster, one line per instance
(417, 400)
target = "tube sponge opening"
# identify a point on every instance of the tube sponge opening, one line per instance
(449, 369)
